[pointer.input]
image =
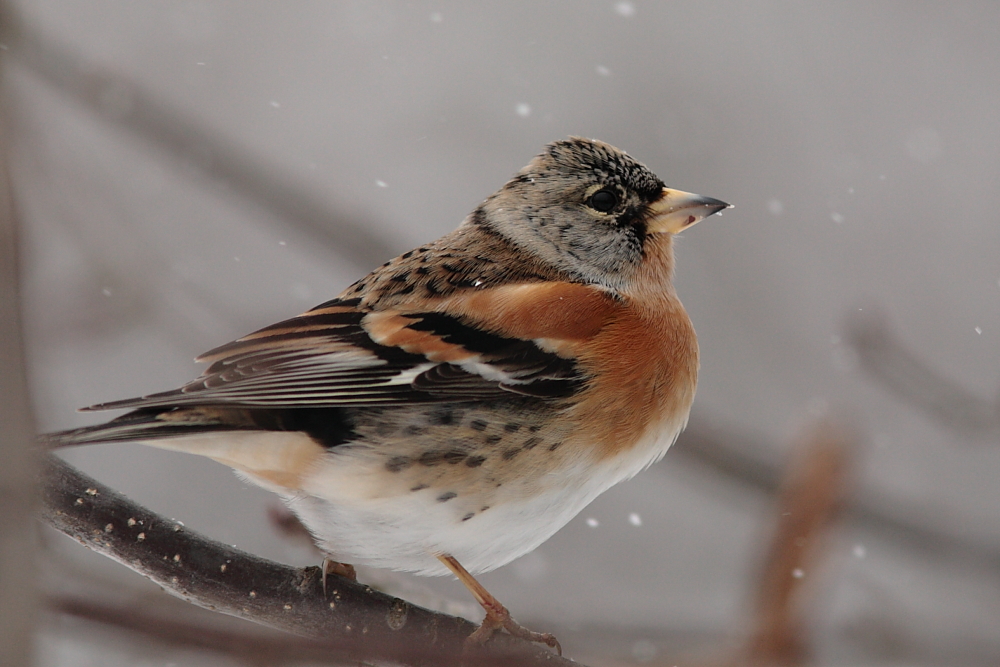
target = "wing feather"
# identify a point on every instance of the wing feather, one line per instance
(340, 355)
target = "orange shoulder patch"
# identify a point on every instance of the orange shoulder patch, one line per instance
(553, 310)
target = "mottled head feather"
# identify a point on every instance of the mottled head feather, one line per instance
(608, 164)
(544, 210)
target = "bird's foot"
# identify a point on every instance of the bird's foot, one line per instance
(498, 617)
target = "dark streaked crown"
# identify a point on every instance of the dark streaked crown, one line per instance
(580, 206)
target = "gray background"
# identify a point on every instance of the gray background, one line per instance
(858, 141)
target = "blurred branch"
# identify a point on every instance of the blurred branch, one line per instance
(905, 374)
(810, 499)
(354, 621)
(750, 463)
(18, 496)
(126, 104)
(248, 646)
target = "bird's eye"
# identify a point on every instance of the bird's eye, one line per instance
(603, 201)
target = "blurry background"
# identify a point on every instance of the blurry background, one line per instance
(189, 171)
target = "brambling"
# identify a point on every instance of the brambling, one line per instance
(457, 406)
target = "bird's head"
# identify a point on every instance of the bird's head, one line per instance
(591, 211)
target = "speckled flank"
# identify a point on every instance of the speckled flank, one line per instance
(459, 453)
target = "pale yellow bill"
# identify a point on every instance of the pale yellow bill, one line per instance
(675, 211)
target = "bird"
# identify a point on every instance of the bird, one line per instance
(453, 409)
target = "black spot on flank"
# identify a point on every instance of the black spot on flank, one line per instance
(555, 446)
(397, 463)
(360, 287)
(453, 457)
(478, 425)
(431, 458)
(423, 249)
(531, 443)
(475, 461)
(512, 427)
(510, 453)
(468, 516)
(445, 497)
(432, 288)
(422, 270)
(385, 428)
(441, 417)
(535, 429)
(418, 487)
(406, 290)
(408, 254)
(401, 277)
(493, 439)
(484, 508)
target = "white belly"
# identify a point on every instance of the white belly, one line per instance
(357, 519)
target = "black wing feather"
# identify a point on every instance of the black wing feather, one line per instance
(326, 358)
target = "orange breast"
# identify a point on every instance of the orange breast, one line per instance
(643, 360)
(645, 366)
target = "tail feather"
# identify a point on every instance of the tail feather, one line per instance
(272, 448)
(139, 425)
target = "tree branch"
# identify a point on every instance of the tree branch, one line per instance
(352, 620)
(248, 644)
(809, 502)
(751, 463)
(18, 495)
(883, 356)
(126, 104)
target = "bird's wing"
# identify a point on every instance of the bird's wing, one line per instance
(339, 354)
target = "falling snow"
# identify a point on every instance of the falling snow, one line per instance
(644, 650)
(626, 9)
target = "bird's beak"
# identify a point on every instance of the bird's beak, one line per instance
(675, 211)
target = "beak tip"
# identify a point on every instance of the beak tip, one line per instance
(676, 210)
(715, 205)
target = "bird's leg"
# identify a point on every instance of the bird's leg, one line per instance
(340, 569)
(497, 615)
